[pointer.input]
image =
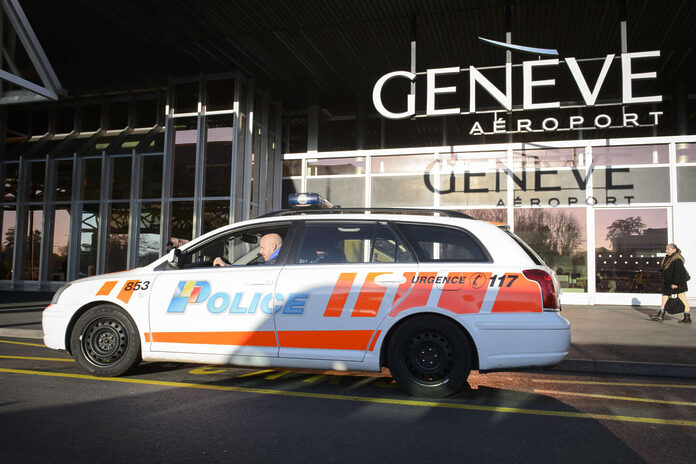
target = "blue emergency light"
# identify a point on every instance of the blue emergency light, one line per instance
(308, 200)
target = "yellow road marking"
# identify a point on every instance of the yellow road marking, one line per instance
(33, 358)
(250, 374)
(610, 397)
(23, 343)
(314, 378)
(618, 384)
(363, 399)
(206, 370)
(276, 375)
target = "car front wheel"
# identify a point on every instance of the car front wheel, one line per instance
(105, 342)
(429, 356)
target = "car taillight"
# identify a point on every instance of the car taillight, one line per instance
(549, 296)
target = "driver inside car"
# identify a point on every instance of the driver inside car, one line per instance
(269, 248)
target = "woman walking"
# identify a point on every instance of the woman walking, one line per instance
(674, 277)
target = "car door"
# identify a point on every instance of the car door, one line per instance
(199, 308)
(341, 280)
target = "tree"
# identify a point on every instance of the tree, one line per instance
(622, 228)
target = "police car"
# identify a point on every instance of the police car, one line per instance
(430, 295)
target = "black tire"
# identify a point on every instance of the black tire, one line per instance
(105, 342)
(429, 356)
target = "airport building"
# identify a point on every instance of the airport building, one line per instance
(132, 125)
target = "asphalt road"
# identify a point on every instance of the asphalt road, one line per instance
(50, 411)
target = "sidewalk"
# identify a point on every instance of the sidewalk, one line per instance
(619, 340)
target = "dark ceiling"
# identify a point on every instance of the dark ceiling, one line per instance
(332, 52)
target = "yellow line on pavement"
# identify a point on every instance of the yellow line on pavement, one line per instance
(610, 397)
(276, 375)
(23, 343)
(363, 399)
(618, 384)
(250, 374)
(34, 358)
(314, 378)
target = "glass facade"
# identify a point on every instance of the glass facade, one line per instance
(598, 212)
(90, 199)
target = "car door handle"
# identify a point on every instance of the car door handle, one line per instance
(389, 279)
(260, 282)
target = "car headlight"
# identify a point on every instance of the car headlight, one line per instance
(56, 295)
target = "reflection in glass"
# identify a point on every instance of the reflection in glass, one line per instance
(150, 241)
(184, 157)
(91, 179)
(117, 240)
(292, 168)
(121, 177)
(218, 155)
(186, 97)
(559, 236)
(11, 180)
(181, 222)
(32, 243)
(498, 215)
(89, 239)
(152, 176)
(630, 244)
(396, 164)
(256, 156)
(215, 214)
(64, 172)
(556, 157)
(686, 153)
(220, 95)
(7, 241)
(630, 154)
(37, 171)
(58, 261)
(335, 166)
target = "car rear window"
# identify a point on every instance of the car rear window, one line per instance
(441, 243)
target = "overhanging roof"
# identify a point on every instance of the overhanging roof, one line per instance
(332, 52)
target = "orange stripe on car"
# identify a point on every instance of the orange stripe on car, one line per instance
(125, 295)
(261, 338)
(339, 295)
(419, 294)
(370, 297)
(107, 287)
(325, 339)
(374, 340)
(522, 296)
(312, 339)
(466, 294)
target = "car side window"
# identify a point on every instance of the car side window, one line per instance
(351, 242)
(389, 249)
(441, 243)
(237, 248)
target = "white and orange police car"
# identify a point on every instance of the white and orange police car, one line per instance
(428, 296)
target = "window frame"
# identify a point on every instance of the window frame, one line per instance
(301, 230)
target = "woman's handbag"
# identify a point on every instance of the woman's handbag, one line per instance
(674, 305)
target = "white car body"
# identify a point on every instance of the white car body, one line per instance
(326, 316)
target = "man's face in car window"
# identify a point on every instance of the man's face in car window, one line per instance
(268, 244)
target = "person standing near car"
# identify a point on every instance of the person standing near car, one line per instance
(674, 277)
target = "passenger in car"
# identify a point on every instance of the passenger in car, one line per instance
(269, 248)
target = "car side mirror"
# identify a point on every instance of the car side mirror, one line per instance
(177, 256)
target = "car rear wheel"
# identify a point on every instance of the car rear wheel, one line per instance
(429, 356)
(105, 342)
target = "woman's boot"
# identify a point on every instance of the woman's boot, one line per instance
(659, 316)
(687, 318)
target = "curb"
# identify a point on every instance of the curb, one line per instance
(626, 368)
(22, 333)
